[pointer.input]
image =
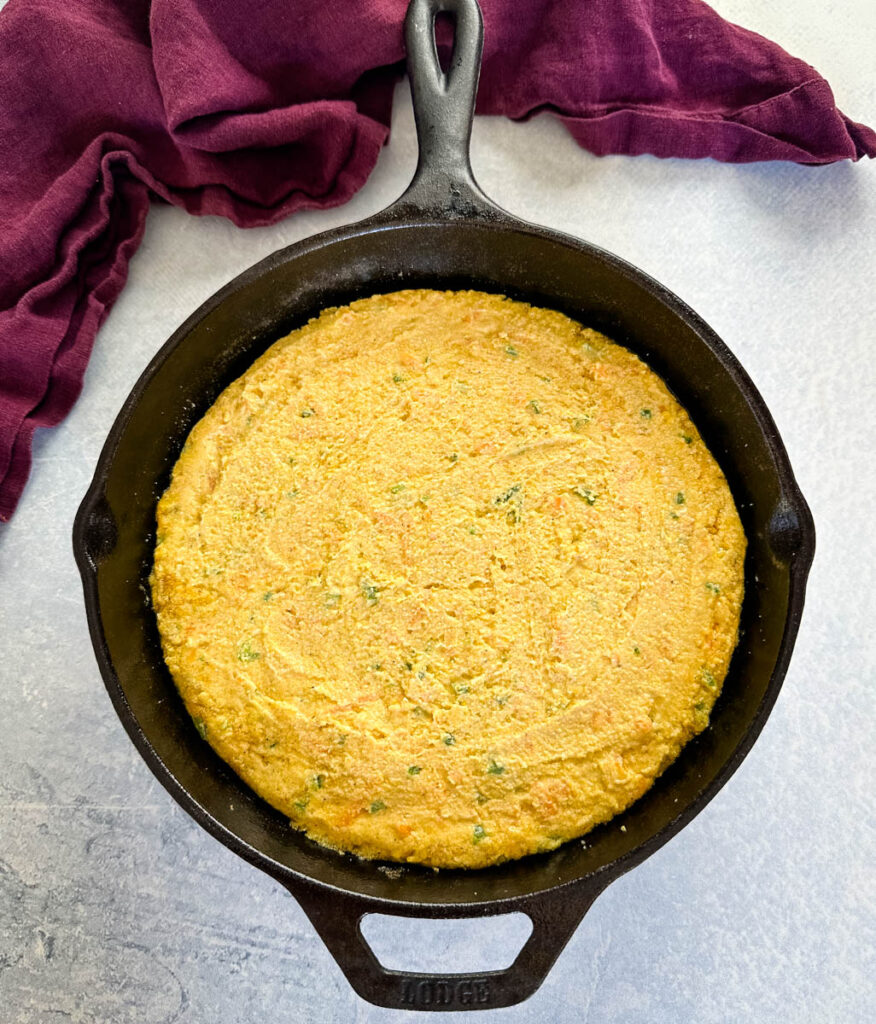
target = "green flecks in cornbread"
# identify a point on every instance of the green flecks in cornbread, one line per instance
(445, 578)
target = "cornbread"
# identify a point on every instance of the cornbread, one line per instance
(447, 578)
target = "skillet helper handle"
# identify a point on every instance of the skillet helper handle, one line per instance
(444, 105)
(337, 918)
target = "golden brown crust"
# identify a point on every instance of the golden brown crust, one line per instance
(447, 578)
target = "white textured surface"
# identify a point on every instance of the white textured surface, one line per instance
(115, 907)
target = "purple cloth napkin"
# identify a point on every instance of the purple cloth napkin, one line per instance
(255, 110)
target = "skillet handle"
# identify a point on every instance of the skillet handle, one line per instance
(443, 183)
(337, 918)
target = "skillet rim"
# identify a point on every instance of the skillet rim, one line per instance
(395, 218)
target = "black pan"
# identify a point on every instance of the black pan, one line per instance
(443, 232)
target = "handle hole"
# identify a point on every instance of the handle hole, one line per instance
(445, 39)
(440, 946)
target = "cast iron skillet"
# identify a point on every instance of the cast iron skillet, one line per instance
(443, 232)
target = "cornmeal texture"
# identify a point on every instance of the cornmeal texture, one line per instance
(447, 578)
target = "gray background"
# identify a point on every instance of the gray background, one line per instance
(116, 907)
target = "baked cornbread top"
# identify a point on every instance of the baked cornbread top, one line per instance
(447, 578)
